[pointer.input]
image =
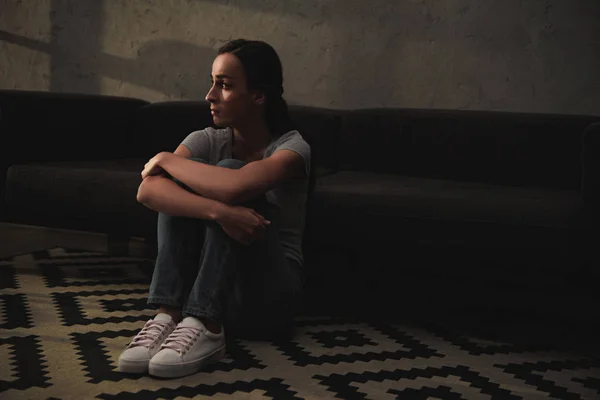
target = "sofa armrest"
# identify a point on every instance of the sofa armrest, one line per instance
(590, 185)
(43, 126)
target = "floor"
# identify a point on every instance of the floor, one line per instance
(67, 313)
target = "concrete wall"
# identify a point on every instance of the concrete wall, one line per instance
(516, 55)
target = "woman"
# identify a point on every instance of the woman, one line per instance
(231, 204)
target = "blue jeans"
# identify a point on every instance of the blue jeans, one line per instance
(252, 290)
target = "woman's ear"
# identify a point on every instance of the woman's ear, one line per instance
(259, 97)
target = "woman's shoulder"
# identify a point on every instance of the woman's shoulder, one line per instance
(212, 131)
(293, 136)
(215, 134)
(292, 140)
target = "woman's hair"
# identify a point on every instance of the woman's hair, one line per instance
(263, 72)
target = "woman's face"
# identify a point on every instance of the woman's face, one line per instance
(230, 100)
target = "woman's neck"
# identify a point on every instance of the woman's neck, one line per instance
(250, 142)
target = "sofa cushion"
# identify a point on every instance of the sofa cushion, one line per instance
(98, 194)
(385, 206)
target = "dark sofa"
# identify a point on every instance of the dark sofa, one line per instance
(398, 192)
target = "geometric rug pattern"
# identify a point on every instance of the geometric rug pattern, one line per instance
(65, 316)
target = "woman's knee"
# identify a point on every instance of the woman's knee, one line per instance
(198, 159)
(231, 163)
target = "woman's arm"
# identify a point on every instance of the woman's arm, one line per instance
(183, 151)
(207, 180)
(232, 186)
(163, 195)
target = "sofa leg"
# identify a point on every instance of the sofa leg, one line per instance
(117, 244)
(151, 244)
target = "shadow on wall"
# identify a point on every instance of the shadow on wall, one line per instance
(359, 53)
(351, 53)
(170, 67)
(177, 69)
(76, 31)
(174, 68)
(538, 56)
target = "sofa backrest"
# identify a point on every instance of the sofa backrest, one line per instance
(162, 126)
(480, 146)
(320, 128)
(74, 126)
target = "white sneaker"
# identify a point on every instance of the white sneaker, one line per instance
(145, 345)
(189, 348)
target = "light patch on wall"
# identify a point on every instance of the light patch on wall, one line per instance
(170, 47)
(205, 24)
(23, 68)
(25, 37)
(118, 87)
(517, 56)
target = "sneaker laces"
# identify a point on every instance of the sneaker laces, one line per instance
(149, 333)
(180, 338)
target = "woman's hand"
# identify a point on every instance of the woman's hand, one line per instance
(153, 167)
(243, 224)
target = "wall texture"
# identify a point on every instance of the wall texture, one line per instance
(516, 55)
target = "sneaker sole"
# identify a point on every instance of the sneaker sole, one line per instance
(133, 366)
(189, 368)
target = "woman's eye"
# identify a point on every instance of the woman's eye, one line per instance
(221, 84)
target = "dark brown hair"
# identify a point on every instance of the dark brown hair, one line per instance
(265, 73)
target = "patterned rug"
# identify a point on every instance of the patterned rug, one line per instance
(67, 314)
